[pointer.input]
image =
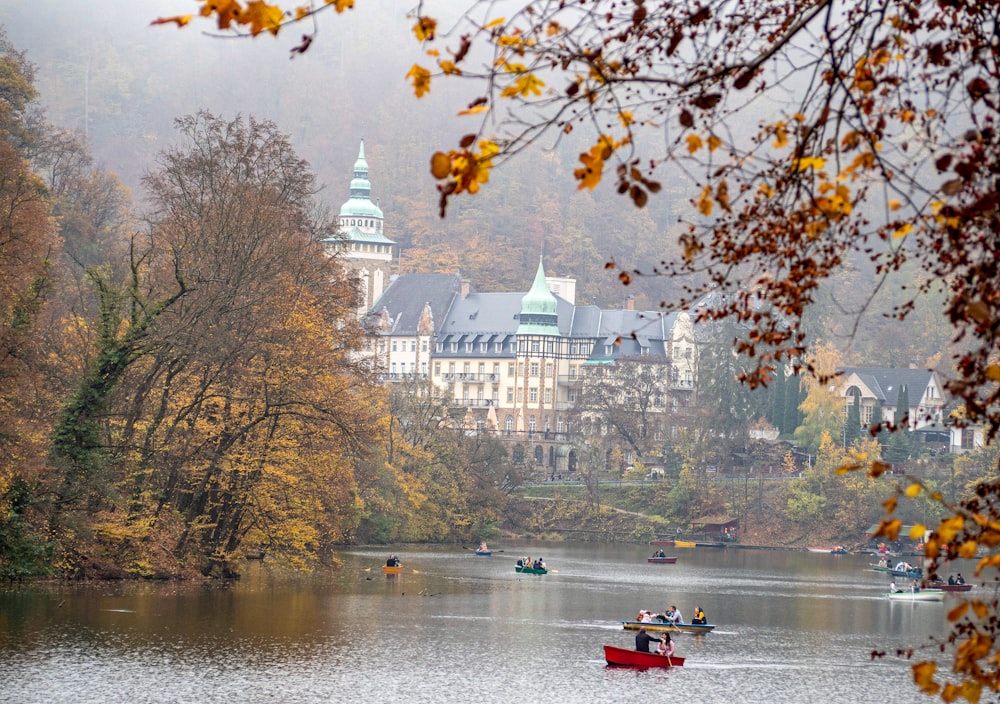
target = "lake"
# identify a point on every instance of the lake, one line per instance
(453, 627)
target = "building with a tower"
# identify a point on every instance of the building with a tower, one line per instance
(361, 242)
(512, 363)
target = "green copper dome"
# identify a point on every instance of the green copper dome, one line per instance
(360, 203)
(539, 308)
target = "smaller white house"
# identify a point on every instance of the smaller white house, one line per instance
(883, 385)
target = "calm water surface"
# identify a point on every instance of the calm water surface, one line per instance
(791, 627)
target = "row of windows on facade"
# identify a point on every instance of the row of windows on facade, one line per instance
(377, 248)
(534, 369)
(363, 222)
(532, 347)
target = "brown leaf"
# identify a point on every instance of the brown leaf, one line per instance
(686, 119)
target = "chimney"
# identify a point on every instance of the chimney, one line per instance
(465, 288)
(630, 303)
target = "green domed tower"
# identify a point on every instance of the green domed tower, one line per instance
(362, 244)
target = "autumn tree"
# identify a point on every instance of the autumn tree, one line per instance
(627, 405)
(225, 404)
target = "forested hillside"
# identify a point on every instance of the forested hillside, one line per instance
(103, 70)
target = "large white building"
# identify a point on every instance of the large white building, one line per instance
(515, 361)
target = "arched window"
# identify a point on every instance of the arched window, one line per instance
(539, 455)
(552, 456)
(518, 454)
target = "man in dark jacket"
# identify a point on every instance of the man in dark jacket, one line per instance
(643, 639)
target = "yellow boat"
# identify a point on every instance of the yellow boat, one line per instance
(684, 543)
(396, 569)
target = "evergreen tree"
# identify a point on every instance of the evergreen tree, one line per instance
(852, 427)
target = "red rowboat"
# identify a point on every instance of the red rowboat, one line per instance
(945, 587)
(623, 657)
(662, 560)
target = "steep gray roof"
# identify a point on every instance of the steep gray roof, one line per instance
(407, 294)
(885, 382)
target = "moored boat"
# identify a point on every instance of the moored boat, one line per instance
(839, 550)
(660, 626)
(392, 569)
(484, 553)
(945, 587)
(624, 657)
(662, 543)
(684, 543)
(917, 595)
(662, 560)
(530, 570)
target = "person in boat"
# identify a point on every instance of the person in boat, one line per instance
(666, 646)
(483, 548)
(673, 615)
(883, 561)
(520, 562)
(643, 639)
(393, 561)
(541, 564)
(892, 586)
(646, 616)
(699, 616)
(951, 579)
(959, 579)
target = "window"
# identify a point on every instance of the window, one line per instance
(498, 347)
(533, 370)
(413, 345)
(532, 424)
(539, 455)
(572, 372)
(571, 396)
(423, 345)
(451, 369)
(533, 395)
(550, 347)
(510, 369)
(454, 347)
(559, 424)
(393, 345)
(437, 368)
(392, 368)
(423, 368)
(465, 369)
(496, 369)
(510, 395)
(520, 395)
(484, 347)
(535, 347)
(518, 454)
(548, 370)
(468, 347)
(482, 370)
(548, 395)
(508, 424)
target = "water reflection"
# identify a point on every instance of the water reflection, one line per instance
(457, 628)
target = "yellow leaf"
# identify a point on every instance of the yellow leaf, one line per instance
(494, 23)
(440, 165)
(814, 162)
(593, 164)
(421, 79)
(766, 190)
(993, 372)
(694, 143)
(912, 490)
(780, 136)
(713, 143)
(958, 612)
(263, 17)
(425, 28)
(949, 528)
(894, 205)
(475, 110)
(968, 549)
(917, 531)
(705, 204)
(179, 20)
(905, 229)
(923, 676)
(341, 5)
(625, 117)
